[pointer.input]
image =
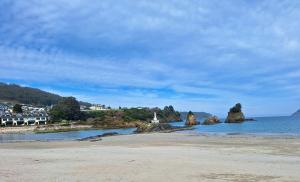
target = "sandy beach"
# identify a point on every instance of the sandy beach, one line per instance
(154, 157)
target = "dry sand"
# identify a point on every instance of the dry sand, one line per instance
(154, 157)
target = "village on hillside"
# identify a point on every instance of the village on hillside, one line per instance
(24, 114)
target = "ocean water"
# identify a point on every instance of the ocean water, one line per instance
(71, 135)
(262, 126)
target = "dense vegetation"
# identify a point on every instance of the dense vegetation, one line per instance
(67, 109)
(128, 117)
(137, 114)
(25, 95)
(17, 108)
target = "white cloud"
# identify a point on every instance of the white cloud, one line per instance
(230, 50)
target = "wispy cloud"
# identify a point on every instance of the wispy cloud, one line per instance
(199, 55)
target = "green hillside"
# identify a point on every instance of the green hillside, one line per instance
(17, 94)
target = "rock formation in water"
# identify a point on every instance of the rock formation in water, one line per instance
(152, 127)
(191, 119)
(235, 115)
(198, 115)
(157, 127)
(211, 121)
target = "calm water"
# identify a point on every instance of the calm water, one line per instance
(72, 135)
(262, 126)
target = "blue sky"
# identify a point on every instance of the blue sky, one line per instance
(200, 55)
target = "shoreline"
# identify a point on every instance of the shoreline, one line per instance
(108, 134)
(42, 129)
(154, 157)
(17, 129)
(184, 131)
(242, 134)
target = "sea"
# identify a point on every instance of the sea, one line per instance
(283, 125)
(288, 126)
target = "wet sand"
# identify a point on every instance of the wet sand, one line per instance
(41, 128)
(19, 129)
(155, 157)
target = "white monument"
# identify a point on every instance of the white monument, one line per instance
(155, 120)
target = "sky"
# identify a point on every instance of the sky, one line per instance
(199, 55)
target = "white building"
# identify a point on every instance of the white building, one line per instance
(19, 119)
(6, 120)
(30, 116)
(155, 120)
(97, 107)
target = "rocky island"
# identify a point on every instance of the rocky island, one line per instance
(211, 121)
(191, 119)
(183, 115)
(235, 115)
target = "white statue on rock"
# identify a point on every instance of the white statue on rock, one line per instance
(155, 120)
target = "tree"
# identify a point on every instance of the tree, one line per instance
(168, 110)
(67, 109)
(17, 108)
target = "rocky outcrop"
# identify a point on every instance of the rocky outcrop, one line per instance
(191, 119)
(235, 115)
(211, 121)
(157, 127)
(98, 137)
(198, 115)
(152, 127)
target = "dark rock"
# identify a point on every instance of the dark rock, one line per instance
(98, 137)
(191, 119)
(211, 121)
(157, 127)
(152, 127)
(250, 119)
(235, 115)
